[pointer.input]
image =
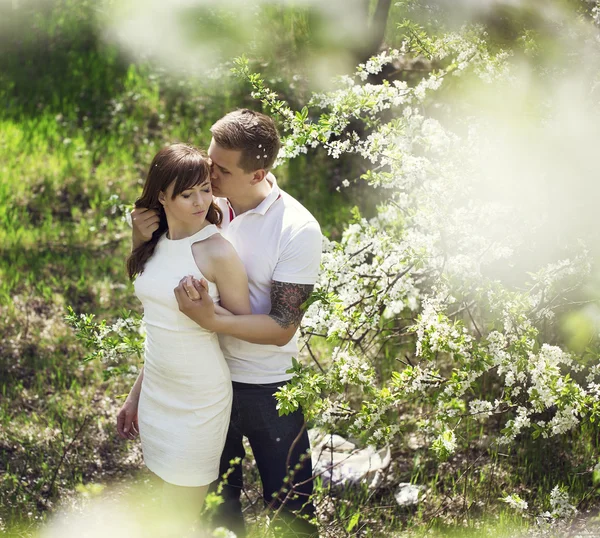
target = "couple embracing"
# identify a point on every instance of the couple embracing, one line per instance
(223, 260)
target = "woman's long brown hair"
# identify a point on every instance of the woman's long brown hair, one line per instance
(187, 167)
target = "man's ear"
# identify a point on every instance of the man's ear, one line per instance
(258, 176)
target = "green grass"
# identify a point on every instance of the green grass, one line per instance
(79, 125)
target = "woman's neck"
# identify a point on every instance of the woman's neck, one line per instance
(178, 230)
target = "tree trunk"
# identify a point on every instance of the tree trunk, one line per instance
(376, 32)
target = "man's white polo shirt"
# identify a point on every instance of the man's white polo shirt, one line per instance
(278, 240)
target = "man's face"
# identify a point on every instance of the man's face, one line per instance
(227, 178)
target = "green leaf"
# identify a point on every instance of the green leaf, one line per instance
(353, 521)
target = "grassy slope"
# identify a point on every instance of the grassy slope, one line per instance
(79, 124)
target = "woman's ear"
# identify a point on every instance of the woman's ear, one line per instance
(161, 197)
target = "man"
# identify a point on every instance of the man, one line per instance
(279, 242)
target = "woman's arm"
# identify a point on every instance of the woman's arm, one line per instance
(219, 262)
(192, 284)
(231, 279)
(127, 419)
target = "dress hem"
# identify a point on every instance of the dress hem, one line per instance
(163, 475)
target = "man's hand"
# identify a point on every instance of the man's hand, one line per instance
(201, 310)
(145, 223)
(127, 419)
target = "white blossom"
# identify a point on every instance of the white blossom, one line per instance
(560, 503)
(515, 502)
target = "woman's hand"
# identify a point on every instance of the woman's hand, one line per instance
(201, 310)
(192, 287)
(127, 419)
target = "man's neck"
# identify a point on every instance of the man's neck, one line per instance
(255, 197)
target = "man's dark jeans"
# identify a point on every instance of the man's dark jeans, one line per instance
(279, 444)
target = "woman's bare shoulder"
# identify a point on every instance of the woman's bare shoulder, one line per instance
(215, 247)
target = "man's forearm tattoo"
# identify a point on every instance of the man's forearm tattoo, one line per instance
(286, 302)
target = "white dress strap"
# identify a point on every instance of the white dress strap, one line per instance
(204, 233)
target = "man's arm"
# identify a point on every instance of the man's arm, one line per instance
(298, 262)
(276, 328)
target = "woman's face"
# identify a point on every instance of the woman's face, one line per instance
(190, 206)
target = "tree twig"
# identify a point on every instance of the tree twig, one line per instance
(64, 455)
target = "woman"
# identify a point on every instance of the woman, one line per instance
(185, 399)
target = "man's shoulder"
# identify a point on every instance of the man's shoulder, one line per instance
(295, 215)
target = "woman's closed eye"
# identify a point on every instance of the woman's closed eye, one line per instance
(186, 195)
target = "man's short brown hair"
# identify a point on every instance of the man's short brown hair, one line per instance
(252, 133)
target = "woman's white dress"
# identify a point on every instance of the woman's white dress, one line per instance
(186, 394)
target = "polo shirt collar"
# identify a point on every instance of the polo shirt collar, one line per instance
(271, 198)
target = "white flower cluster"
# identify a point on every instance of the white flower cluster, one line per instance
(560, 504)
(114, 344)
(361, 100)
(593, 373)
(547, 382)
(549, 280)
(350, 369)
(376, 63)
(469, 48)
(445, 444)
(435, 332)
(564, 420)
(516, 425)
(330, 412)
(515, 502)
(416, 380)
(366, 266)
(222, 532)
(419, 277)
(596, 13)
(481, 409)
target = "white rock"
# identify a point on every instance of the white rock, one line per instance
(338, 461)
(408, 494)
